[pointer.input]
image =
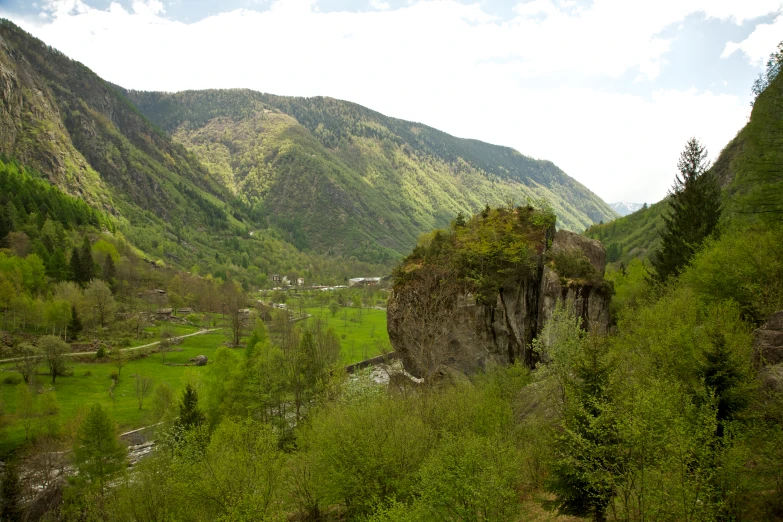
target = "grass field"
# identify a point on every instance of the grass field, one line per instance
(90, 383)
(359, 338)
(360, 335)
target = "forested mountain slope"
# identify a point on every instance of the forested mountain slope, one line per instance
(339, 176)
(80, 133)
(634, 236)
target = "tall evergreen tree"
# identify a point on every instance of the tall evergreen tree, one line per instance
(586, 461)
(109, 271)
(190, 416)
(87, 263)
(98, 453)
(11, 493)
(694, 211)
(723, 379)
(75, 324)
(76, 266)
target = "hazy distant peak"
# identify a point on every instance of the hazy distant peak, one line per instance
(623, 208)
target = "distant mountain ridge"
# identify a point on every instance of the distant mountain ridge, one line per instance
(623, 208)
(339, 176)
(188, 175)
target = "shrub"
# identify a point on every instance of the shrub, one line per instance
(13, 379)
(574, 265)
(101, 353)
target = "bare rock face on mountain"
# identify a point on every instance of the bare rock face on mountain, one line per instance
(438, 320)
(768, 342)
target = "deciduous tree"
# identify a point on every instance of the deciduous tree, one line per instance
(98, 454)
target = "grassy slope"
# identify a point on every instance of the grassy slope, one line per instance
(358, 340)
(351, 174)
(636, 235)
(77, 392)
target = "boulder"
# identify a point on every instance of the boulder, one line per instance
(768, 341)
(199, 360)
(471, 335)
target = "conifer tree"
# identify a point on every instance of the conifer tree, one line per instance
(694, 211)
(87, 264)
(75, 324)
(586, 461)
(11, 493)
(109, 271)
(98, 453)
(723, 378)
(190, 416)
(76, 266)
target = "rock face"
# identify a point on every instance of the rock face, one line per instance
(768, 342)
(199, 360)
(470, 336)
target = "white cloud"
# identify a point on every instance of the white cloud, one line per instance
(450, 65)
(760, 43)
(379, 5)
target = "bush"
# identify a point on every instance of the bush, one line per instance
(13, 379)
(574, 265)
(114, 376)
(125, 342)
(101, 353)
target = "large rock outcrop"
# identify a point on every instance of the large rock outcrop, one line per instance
(432, 331)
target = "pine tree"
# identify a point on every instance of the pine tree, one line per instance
(75, 324)
(11, 493)
(586, 463)
(108, 270)
(56, 265)
(190, 416)
(722, 378)
(76, 266)
(694, 211)
(87, 264)
(98, 453)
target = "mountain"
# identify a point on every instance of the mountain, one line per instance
(624, 208)
(81, 134)
(319, 182)
(342, 178)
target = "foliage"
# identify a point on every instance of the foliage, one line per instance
(190, 416)
(770, 73)
(98, 454)
(491, 248)
(694, 211)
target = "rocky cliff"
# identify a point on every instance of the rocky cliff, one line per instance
(437, 319)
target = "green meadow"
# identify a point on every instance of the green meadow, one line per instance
(362, 333)
(361, 336)
(90, 383)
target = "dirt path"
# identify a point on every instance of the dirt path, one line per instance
(200, 332)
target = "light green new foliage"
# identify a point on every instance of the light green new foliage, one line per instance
(558, 345)
(98, 454)
(238, 477)
(366, 453)
(471, 478)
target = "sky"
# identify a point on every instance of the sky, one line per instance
(609, 90)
